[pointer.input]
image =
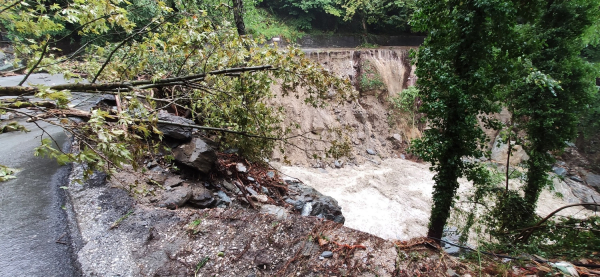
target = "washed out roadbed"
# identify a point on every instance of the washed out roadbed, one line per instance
(115, 235)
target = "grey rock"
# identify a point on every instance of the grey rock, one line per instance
(251, 179)
(251, 191)
(264, 190)
(151, 164)
(290, 201)
(261, 198)
(299, 205)
(371, 152)
(402, 156)
(570, 144)
(98, 179)
(322, 205)
(307, 209)
(157, 168)
(559, 171)
(322, 170)
(198, 153)
(327, 254)
(593, 180)
(271, 174)
(338, 163)
(202, 197)
(450, 272)
(175, 132)
(317, 130)
(231, 187)
(224, 197)
(280, 212)
(360, 116)
(500, 153)
(262, 260)
(240, 167)
(173, 181)
(584, 193)
(158, 178)
(576, 178)
(176, 198)
(396, 140)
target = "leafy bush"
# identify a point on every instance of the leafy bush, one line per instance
(407, 101)
(370, 79)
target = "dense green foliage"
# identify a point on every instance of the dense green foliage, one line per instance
(556, 87)
(380, 16)
(459, 66)
(483, 54)
(407, 102)
(174, 43)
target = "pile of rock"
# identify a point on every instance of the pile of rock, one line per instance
(236, 181)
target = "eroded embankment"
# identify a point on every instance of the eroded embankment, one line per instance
(365, 120)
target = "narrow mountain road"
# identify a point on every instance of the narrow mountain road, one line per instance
(34, 233)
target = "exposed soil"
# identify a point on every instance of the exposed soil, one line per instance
(364, 121)
(120, 235)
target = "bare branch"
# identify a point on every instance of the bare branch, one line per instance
(127, 85)
(36, 64)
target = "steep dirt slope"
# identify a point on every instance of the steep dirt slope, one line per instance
(365, 120)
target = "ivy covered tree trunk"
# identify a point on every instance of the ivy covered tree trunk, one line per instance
(557, 86)
(238, 15)
(458, 69)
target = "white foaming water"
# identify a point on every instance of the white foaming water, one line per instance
(393, 200)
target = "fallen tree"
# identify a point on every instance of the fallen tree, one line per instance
(177, 60)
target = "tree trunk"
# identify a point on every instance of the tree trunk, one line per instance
(238, 15)
(443, 197)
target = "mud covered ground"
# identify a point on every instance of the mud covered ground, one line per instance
(117, 236)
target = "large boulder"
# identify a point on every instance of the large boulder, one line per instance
(313, 203)
(198, 153)
(593, 180)
(174, 131)
(584, 193)
(176, 197)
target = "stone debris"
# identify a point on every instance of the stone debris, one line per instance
(338, 163)
(327, 254)
(173, 131)
(240, 167)
(198, 153)
(176, 197)
(559, 171)
(593, 180)
(202, 197)
(173, 181)
(231, 187)
(307, 209)
(224, 197)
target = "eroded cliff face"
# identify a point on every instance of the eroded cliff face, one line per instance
(361, 127)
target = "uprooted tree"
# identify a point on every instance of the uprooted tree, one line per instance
(169, 57)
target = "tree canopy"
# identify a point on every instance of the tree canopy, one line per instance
(483, 55)
(177, 58)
